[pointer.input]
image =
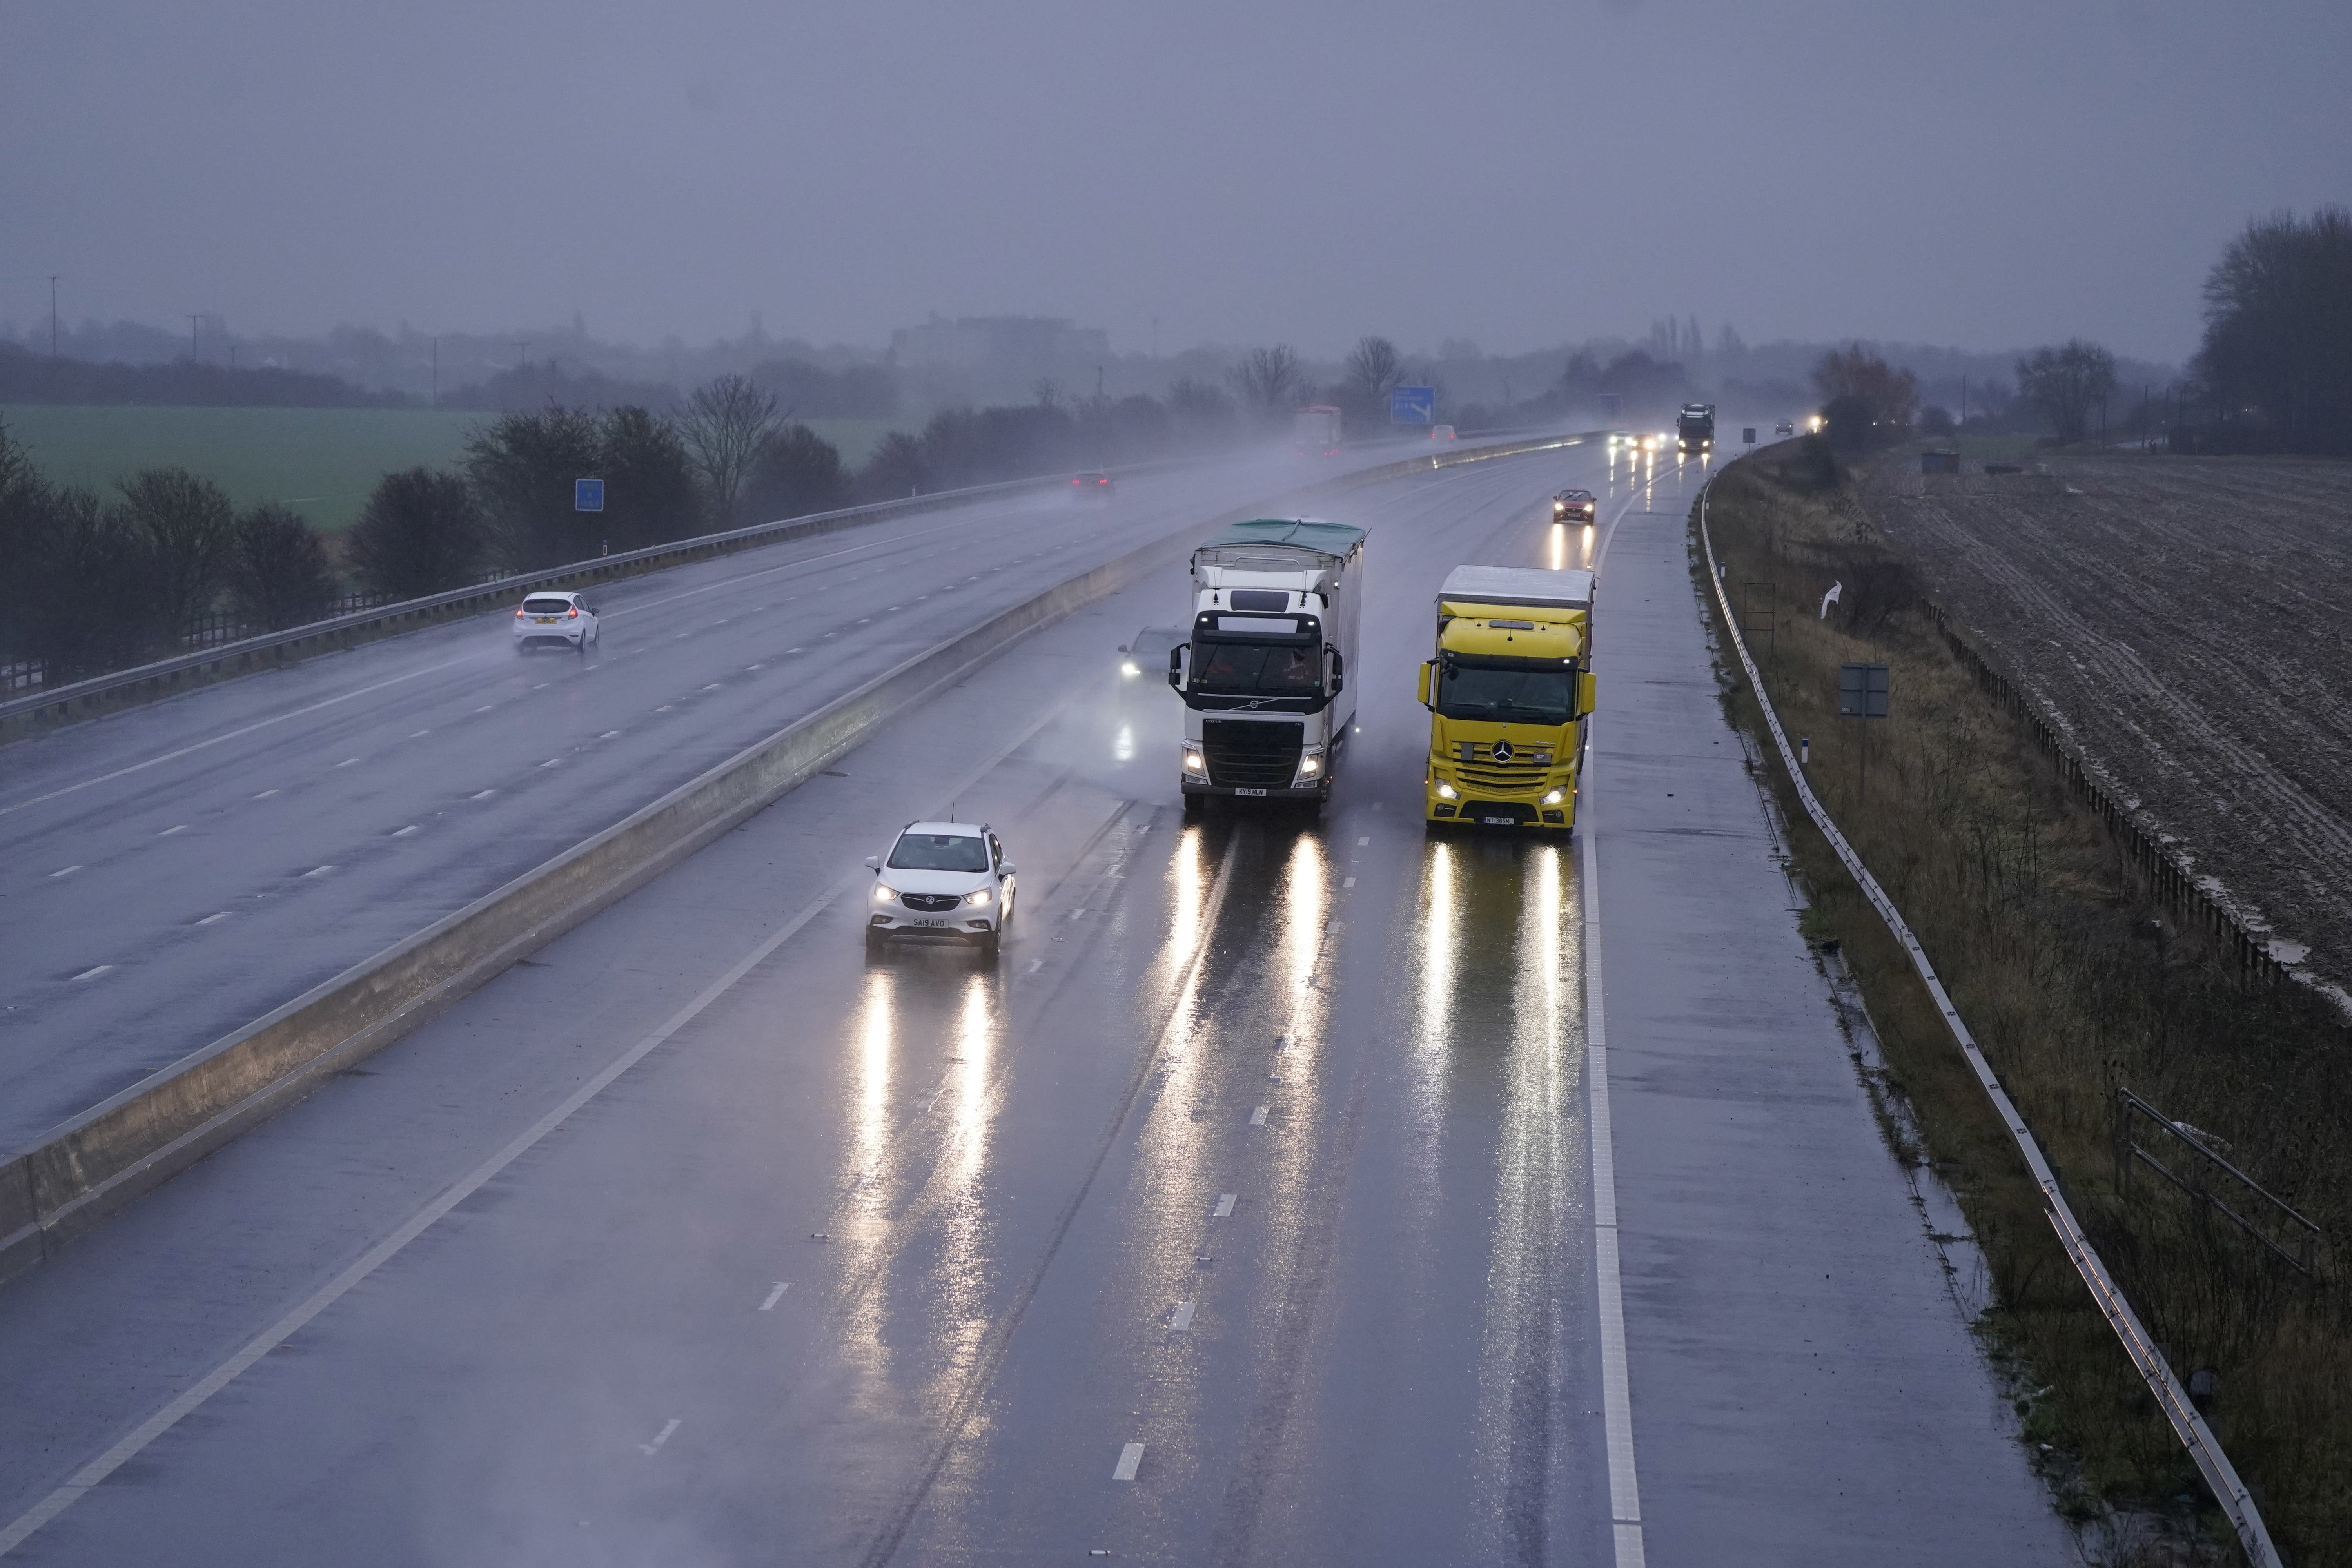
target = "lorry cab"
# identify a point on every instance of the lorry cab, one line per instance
(1508, 693)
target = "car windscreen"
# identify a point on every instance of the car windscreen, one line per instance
(546, 606)
(939, 852)
(1516, 696)
(1257, 669)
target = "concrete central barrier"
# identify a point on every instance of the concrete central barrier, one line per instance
(79, 1172)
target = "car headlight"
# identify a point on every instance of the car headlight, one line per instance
(1309, 764)
(1131, 667)
(1445, 790)
(1193, 765)
(1555, 797)
(978, 897)
(884, 893)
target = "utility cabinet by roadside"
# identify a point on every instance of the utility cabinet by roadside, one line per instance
(1265, 675)
(1509, 694)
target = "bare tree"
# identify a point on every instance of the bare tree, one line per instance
(187, 524)
(1268, 381)
(2066, 383)
(276, 570)
(1374, 370)
(728, 423)
(2278, 328)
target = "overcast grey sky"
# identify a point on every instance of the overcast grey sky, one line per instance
(1983, 174)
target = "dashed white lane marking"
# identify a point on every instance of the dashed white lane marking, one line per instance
(712, 687)
(347, 761)
(608, 734)
(1362, 842)
(774, 1296)
(1180, 1321)
(1225, 1209)
(418, 734)
(663, 709)
(208, 920)
(553, 763)
(67, 872)
(1616, 1384)
(1034, 965)
(317, 871)
(134, 1441)
(650, 1449)
(1257, 1116)
(265, 794)
(484, 795)
(1348, 882)
(750, 667)
(486, 708)
(404, 832)
(794, 650)
(169, 831)
(93, 974)
(1130, 1458)
(540, 687)
(228, 735)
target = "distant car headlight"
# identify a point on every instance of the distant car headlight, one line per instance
(1555, 797)
(883, 892)
(1445, 791)
(978, 897)
(1193, 765)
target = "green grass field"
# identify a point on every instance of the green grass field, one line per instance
(323, 462)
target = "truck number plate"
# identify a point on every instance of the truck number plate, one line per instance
(1257, 792)
(1500, 821)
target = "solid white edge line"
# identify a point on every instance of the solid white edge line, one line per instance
(1616, 1381)
(129, 1447)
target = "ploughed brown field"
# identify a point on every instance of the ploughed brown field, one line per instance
(2187, 622)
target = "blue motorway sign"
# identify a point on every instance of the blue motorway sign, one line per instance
(1413, 405)
(587, 495)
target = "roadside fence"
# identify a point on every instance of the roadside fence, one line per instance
(2166, 876)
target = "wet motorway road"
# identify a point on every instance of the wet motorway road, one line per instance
(172, 873)
(1244, 1212)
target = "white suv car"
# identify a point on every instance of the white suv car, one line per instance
(555, 618)
(940, 880)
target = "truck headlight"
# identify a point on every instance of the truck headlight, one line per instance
(978, 897)
(883, 893)
(1555, 797)
(1193, 765)
(1445, 790)
(1309, 764)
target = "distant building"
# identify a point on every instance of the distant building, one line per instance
(1000, 345)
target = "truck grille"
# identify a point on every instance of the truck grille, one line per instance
(1474, 763)
(930, 903)
(1251, 755)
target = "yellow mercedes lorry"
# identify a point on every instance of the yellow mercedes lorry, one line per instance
(1509, 694)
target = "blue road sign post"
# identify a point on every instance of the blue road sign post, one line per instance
(587, 495)
(1413, 405)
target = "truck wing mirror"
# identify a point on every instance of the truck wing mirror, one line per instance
(1587, 693)
(1338, 669)
(1176, 664)
(1427, 665)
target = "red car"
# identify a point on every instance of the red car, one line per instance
(1096, 486)
(1574, 506)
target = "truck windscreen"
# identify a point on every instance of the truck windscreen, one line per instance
(1500, 695)
(1257, 669)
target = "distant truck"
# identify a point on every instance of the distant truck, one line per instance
(1264, 674)
(1694, 427)
(1508, 693)
(1316, 430)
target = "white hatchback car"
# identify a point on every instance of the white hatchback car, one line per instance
(555, 618)
(940, 880)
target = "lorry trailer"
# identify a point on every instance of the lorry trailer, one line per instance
(1509, 693)
(1264, 671)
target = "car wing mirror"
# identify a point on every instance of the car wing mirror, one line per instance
(1004, 869)
(873, 862)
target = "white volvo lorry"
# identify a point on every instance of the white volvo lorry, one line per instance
(1264, 674)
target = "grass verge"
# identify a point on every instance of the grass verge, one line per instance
(2077, 983)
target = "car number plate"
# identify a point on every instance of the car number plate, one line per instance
(1255, 791)
(927, 922)
(545, 620)
(1500, 821)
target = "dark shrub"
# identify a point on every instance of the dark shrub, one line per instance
(186, 523)
(277, 572)
(796, 473)
(420, 534)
